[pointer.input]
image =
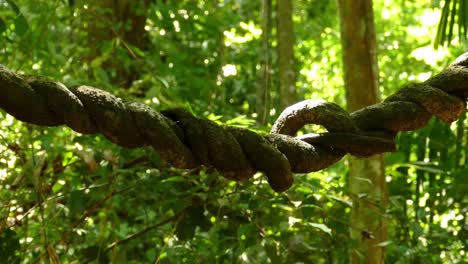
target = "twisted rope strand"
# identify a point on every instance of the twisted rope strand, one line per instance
(186, 141)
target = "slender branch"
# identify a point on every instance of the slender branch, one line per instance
(175, 218)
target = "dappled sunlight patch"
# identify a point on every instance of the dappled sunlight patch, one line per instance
(252, 32)
(229, 70)
(429, 55)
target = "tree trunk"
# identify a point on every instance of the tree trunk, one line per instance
(285, 50)
(120, 19)
(366, 176)
(263, 88)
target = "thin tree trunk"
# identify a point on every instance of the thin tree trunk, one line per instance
(420, 155)
(285, 50)
(366, 176)
(263, 88)
(460, 142)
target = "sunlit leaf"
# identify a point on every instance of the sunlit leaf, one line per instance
(384, 243)
(321, 227)
(346, 202)
(175, 179)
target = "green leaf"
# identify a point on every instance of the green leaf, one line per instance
(364, 180)
(21, 25)
(304, 190)
(162, 81)
(322, 227)
(346, 202)
(284, 207)
(241, 121)
(57, 187)
(175, 179)
(384, 243)
(138, 51)
(427, 167)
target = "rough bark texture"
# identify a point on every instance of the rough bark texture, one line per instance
(285, 50)
(366, 176)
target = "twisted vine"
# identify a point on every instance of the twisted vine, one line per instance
(186, 141)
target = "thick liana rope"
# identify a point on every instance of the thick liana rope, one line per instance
(186, 141)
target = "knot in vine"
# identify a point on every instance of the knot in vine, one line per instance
(186, 141)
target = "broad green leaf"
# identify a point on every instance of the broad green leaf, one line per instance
(322, 227)
(21, 25)
(57, 187)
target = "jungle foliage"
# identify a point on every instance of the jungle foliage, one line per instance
(67, 197)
